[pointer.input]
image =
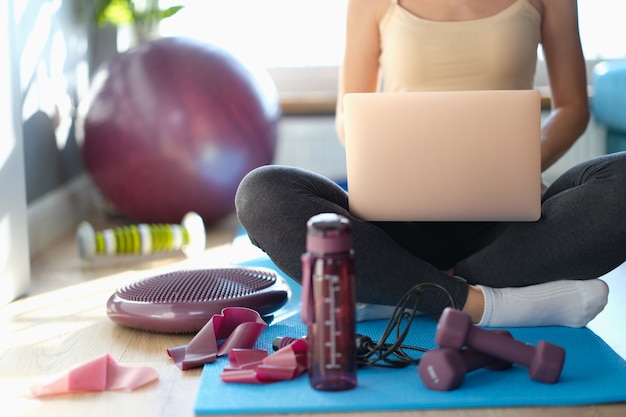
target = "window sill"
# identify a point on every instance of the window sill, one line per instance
(323, 103)
(308, 103)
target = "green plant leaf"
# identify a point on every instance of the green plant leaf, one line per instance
(121, 12)
(169, 12)
(115, 12)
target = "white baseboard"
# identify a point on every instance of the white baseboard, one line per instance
(59, 212)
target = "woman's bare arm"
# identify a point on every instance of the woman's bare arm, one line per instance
(360, 69)
(568, 80)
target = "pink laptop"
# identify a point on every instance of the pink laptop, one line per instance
(444, 156)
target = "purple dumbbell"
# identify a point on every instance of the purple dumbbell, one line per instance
(444, 369)
(544, 361)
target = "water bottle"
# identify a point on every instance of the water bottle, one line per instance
(329, 303)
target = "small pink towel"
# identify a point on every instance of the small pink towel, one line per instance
(100, 374)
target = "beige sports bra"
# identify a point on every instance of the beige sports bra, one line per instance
(497, 52)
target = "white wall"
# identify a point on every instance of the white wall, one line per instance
(14, 256)
(55, 45)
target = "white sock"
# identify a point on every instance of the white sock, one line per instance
(558, 303)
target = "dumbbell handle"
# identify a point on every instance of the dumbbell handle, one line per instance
(475, 359)
(505, 348)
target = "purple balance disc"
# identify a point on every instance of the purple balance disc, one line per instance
(184, 301)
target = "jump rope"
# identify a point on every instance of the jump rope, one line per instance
(383, 353)
(396, 354)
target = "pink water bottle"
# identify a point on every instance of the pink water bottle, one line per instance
(329, 303)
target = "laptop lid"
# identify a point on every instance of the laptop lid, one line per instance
(444, 156)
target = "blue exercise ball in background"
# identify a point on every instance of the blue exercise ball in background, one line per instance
(608, 103)
(173, 125)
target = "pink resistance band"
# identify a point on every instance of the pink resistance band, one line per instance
(100, 374)
(239, 328)
(257, 366)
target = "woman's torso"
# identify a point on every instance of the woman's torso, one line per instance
(494, 52)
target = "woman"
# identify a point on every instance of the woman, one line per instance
(501, 274)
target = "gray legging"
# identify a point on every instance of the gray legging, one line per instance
(581, 235)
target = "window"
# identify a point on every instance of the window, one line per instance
(275, 33)
(602, 29)
(304, 38)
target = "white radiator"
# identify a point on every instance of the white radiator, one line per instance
(592, 143)
(311, 142)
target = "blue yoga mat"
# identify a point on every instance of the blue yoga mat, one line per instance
(593, 373)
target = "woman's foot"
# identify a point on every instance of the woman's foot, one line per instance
(558, 303)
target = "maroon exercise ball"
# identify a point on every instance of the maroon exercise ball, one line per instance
(173, 125)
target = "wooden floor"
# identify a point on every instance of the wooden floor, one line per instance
(63, 322)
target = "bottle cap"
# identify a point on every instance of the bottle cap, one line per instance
(329, 233)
